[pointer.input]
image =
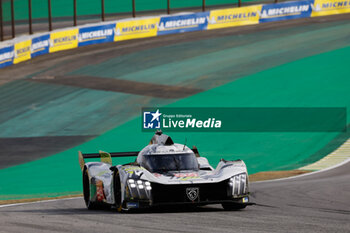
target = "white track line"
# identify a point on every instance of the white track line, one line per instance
(306, 174)
(342, 153)
(44, 201)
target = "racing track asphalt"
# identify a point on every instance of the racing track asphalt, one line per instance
(315, 203)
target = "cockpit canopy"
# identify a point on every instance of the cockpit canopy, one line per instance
(163, 155)
(161, 163)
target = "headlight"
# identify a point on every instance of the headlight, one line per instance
(238, 184)
(148, 185)
(140, 184)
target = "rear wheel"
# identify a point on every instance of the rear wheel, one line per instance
(86, 188)
(233, 206)
(117, 191)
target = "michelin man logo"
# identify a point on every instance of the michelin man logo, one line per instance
(151, 120)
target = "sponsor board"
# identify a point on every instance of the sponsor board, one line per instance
(6, 56)
(234, 17)
(96, 34)
(183, 23)
(136, 29)
(285, 11)
(22, 51)
(40, 45)
(63, 40)
(148, 27)
(330, 7)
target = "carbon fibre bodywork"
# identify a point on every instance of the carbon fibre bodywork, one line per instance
(131, 186)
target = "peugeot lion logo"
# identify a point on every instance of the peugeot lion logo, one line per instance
(192, 193)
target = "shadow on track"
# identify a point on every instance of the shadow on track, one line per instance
(84, 211)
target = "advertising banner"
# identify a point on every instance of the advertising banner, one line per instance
(63, 40)
(40, 45)
(6, 56)
(22, 51)
(234, 17)
(136, 29)
(243, 119)
(285, 11)
(96, 34)
(183, 23)
(330, 7)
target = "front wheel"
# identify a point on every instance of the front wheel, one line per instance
(117, 191)
(233, 206)
(86, 188)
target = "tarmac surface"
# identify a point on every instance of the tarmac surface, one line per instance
(314, 203)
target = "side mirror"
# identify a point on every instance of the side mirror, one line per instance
(195, 151)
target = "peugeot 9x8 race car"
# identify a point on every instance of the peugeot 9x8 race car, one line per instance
(164, 173)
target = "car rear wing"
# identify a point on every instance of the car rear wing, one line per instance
(104, 156)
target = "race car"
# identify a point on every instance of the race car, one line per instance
(164, 173)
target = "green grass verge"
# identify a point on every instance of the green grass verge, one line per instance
(317, 81)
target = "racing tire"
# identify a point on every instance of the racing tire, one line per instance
(233, 206)
(86, 190)
(117, 191)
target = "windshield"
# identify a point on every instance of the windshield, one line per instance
(171, 162)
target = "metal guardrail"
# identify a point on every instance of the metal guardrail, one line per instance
(49, 19)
